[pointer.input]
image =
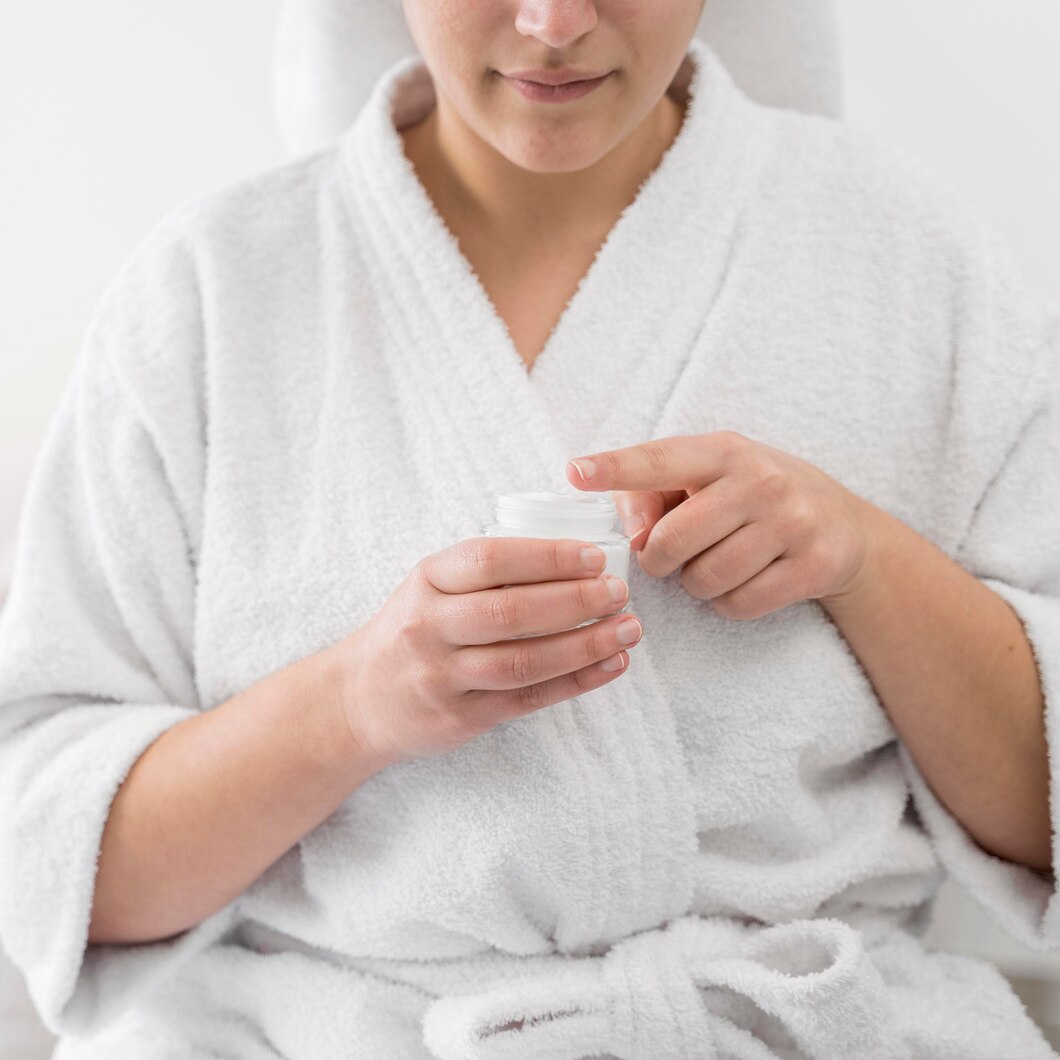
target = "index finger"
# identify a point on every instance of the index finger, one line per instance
(490, 562)
(677, 462)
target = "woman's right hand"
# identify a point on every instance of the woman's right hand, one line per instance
(436, 665)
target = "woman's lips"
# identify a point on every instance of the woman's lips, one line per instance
(556, 93)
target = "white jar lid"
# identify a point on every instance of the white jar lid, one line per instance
(568, 510)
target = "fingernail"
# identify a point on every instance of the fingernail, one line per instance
(628, 631)
(633, 524)
(593, 559)
(585, 468)
(616, 587)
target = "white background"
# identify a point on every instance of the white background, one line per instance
(114, 112)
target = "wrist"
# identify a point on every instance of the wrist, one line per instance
(336, 671)
(876, 526)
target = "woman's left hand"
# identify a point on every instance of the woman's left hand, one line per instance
(756, 528)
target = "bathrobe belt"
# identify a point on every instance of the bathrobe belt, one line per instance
(657, 994)
(695, 988)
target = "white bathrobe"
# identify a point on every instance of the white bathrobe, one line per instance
(296, 388)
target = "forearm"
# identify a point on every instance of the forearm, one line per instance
(950, 661)
(219, 798)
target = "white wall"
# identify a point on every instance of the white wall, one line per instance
(112, 113)
(973, 86)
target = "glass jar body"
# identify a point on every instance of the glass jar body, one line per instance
(588, 517)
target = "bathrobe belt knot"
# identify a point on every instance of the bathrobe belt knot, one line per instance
(689, 990)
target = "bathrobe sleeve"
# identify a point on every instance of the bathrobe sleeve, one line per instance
(96, 640)
(1012, 544)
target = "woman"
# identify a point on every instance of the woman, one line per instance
(259, 663)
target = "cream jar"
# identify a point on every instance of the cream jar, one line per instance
(588, 517)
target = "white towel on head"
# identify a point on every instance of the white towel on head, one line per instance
(329, 54)
(296, 389)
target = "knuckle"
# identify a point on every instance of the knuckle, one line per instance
(589, 594)
(738, 606)
(522, 663)
(423, 683)
(610, 463)
(413, 628)
(531, 697)
(582, 680)
(667, 539)
(557, 558)
(480, 554)
(770, 480)
(460, 614)
(591, 645)
(706, 577)
(502, 610)
(731, 442)
(421, 571)
(658, 457)
(799, 518)
(430, 674)
(466, 670)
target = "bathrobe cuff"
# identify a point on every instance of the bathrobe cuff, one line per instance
(60, 778)
(97, 634)
(1008, 423)
(1021, 900)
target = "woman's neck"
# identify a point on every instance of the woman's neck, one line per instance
(467, 177)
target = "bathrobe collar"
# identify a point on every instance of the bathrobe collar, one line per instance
(615, 356)
(605, 379)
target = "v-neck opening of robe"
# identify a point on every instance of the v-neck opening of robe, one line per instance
(631, 325)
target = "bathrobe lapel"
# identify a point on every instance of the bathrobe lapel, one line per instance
(614, 358)
(604, 379)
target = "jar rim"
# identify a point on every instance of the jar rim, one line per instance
(572, 503)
